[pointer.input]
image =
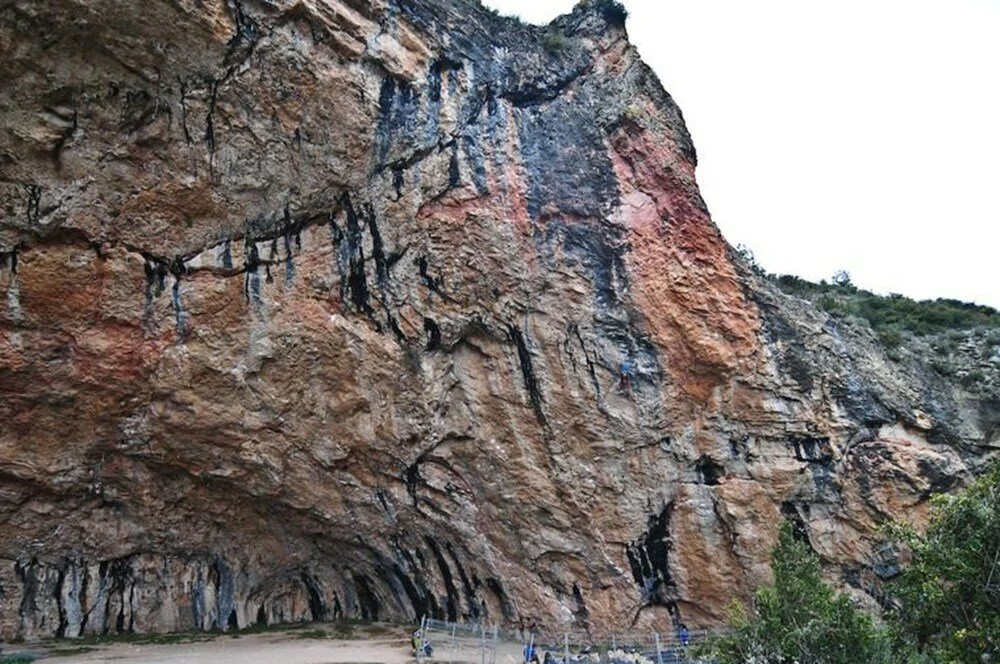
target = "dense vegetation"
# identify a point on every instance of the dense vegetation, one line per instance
(948, 598)
(891, 313)
(950, 592)
(799, 619)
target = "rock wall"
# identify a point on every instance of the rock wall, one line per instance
(317, 309)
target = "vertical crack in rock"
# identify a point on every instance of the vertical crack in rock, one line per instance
(433, 334)
(33, 193)
(528, 373)
(591, 371)
(182, 85)
(355, 286)
(251, 265)
(433, 283)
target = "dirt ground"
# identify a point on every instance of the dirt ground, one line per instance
(312, 644)
(249, 649)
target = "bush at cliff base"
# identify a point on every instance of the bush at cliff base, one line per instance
(798, 619)
(950, 592)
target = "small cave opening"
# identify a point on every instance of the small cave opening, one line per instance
(709, 471)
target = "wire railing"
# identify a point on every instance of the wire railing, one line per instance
(482, 643)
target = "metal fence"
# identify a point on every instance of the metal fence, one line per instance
(479, 643)
(459, 642)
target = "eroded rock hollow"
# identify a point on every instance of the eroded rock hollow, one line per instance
(317, 309)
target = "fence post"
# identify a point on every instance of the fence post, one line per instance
(659, 657)
(482, 644)
(496, 637)
(614, 644)
(565, 648)
(421, 633)
(454, 640)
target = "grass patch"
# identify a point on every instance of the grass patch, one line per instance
(16, 659)
(264, 628)
(137, 639)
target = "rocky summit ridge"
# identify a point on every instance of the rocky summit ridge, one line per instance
(317, 309)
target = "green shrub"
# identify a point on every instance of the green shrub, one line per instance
(613, 12)
(973, 378)
(553, 41)
(950, 592)
(799, 619)
(942, 368)
(890, 338)
(894, 311)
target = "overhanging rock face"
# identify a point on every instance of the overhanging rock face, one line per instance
(317, 309)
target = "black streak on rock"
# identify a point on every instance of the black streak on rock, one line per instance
(316, 605)
(452, 601)
(397, 181)
(251, 285)
(34, 194)
(356, 284)
(470, 593)
(366, 598)
(210, 118)
(581, 613)
(496, 588)
(433, 334)
(454, 174)
(792, 513)
(433, 283)
(528, 372)
(649, 558)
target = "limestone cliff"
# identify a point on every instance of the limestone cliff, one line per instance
(316, 308)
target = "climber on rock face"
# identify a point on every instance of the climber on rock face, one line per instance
(626, 371)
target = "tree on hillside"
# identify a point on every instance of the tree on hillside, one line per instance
(799, 618)
(842, 278)
(950, 591)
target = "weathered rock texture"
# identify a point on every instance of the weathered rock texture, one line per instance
(315, 309)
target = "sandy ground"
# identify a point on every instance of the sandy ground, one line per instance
(252, 649)
(383, 646)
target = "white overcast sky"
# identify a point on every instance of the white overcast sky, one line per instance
(857, 134)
